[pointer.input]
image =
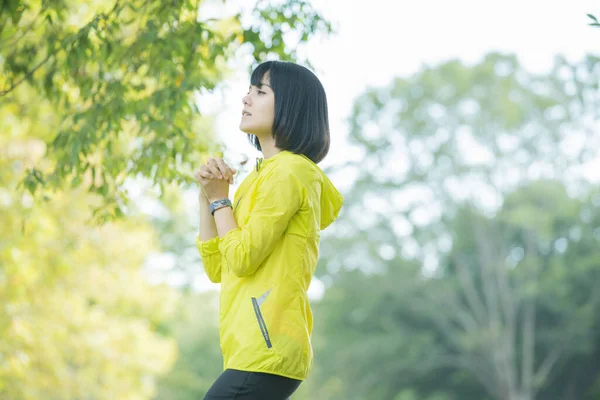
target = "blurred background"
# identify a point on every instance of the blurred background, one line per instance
(465, 139)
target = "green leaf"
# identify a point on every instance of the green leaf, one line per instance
(76, 181)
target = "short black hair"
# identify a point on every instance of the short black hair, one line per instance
(301, 123)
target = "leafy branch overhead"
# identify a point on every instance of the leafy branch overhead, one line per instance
(121, 80)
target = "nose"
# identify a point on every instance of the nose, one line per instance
(246, 100)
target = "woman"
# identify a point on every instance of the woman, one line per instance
(264, 250)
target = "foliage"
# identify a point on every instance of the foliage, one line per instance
(122, 79)
(469, 266)
(77, 318)
(95, 97)
(200, 362)
(455, 133)
(511, 313)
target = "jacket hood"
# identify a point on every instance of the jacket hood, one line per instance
(331, 201)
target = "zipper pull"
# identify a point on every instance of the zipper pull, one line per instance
(258, 163)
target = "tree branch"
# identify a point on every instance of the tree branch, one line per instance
(28, 74)
(471, 295)
(529, 319)
(74, 38)
(546, 367)
(477, 367)
(24, 33)
(500, 354)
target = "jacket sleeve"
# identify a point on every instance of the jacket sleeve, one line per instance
(280, 195)
(211, 258)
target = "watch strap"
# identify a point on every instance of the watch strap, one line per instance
(217, 204)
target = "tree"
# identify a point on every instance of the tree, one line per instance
(122, 79)
(94, 95)
(473, 266)
(77, 319)
(511, 314)
(454, 132)
(520, 306)
(200, 362)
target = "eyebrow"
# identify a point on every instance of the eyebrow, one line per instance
(260, 86)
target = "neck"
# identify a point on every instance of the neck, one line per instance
(268, 148)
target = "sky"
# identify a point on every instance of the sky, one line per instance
(378, 40)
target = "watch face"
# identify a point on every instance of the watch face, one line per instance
(215, 205)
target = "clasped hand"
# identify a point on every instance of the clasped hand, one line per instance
(214, 178)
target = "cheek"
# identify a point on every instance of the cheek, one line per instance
(271, 111)
(271, 115)
(267, 112)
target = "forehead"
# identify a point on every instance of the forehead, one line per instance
(260, 76)
(263, 82)
(261, 85)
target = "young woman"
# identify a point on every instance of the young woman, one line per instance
(264, 249)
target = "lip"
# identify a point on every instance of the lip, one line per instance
(246, 114)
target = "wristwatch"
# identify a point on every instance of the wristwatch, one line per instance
(217, 204)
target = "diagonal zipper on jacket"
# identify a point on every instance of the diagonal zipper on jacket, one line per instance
(261, 322)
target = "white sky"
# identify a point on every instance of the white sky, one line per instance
(377, 40)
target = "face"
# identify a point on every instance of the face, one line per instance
(258, 113)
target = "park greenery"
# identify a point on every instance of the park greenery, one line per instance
(465, 264)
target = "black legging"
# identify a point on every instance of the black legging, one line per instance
(240, 385)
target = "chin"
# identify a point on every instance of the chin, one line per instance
(247, 129)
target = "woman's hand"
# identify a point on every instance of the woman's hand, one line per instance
(214, 177)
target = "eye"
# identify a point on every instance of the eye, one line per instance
(260, 92)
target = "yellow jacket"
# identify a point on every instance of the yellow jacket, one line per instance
(266, 264)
